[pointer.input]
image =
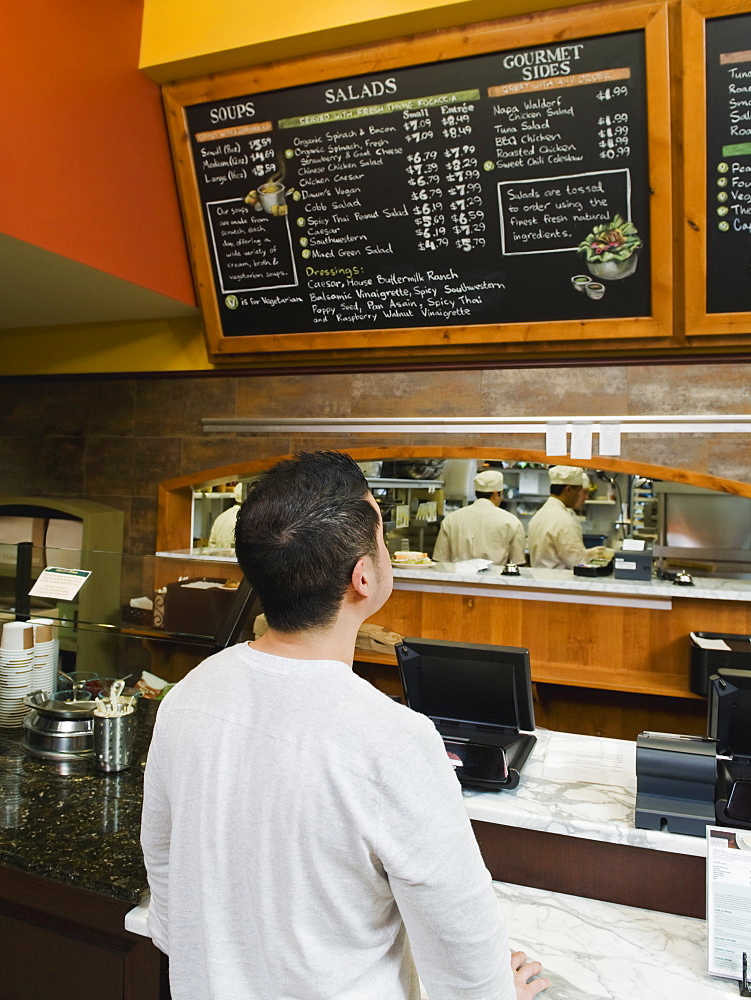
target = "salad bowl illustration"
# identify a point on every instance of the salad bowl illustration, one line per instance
(611, 250)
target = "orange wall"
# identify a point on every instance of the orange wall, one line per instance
(85, 170)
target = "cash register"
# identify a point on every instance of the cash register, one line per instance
(480, 700)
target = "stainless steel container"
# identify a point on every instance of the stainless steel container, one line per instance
(114, 740)
(58, 729)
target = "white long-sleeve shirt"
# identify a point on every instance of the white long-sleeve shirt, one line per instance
(480, 531)
(296, 821)
(554, 537)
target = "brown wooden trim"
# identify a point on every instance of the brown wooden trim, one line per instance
(243, 470)
(698, 321)
(634, 876)
(456, 341)
(630, 358)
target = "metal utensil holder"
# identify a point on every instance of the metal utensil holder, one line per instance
(114, 740)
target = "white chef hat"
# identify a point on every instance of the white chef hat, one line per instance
(586, 482)
(489, 481)
(566, 475)
(238, 491)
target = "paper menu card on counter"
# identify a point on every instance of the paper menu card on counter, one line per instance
(59, 583)
(596, 760)
(728, 901)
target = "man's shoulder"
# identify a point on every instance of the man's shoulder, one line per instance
(455, 515)
(506, 517)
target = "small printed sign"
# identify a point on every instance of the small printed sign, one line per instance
(59, 583)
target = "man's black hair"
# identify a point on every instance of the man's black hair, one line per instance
(484, 496)
(557, 488)
(300, 532)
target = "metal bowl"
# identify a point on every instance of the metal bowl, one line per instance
(45, 705)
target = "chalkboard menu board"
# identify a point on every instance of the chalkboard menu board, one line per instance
(728, 191)
(486, 194)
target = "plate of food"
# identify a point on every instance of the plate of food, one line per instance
(403, 558)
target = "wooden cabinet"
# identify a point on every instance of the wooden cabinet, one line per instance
(63, 942)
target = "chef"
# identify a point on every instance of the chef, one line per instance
(555, 535)
(483, 530)
(223, 530)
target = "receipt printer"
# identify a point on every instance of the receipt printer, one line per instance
(675, 783)
(633, 565)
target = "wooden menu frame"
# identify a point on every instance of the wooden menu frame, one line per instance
(697, 320)
(455, 341)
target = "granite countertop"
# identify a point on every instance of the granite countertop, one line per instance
(70, 822)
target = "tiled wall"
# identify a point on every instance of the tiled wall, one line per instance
(114, 440)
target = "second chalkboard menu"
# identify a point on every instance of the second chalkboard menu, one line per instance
(502, 195)
(728, 103)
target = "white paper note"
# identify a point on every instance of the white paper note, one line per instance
(610, 439)
(581, 441)
(59, 583)
(703, 643)
(600, 761)
(528, 482)
(633, 545)
(555, 439)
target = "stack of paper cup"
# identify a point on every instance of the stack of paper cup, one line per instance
(46, 653)
(16, 671)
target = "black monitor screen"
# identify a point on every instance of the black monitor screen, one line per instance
(729, 711)
(468, 683)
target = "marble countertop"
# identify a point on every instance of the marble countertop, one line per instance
(70, 822)
(706, 588)
(593, 950)
(433, 577)
(582, 808)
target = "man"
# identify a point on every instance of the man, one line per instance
(304, 834)
(554, 536)
(483, 530)
(223, 529)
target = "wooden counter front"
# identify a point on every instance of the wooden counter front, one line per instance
(634, 661)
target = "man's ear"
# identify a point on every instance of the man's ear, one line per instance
(361, 576)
